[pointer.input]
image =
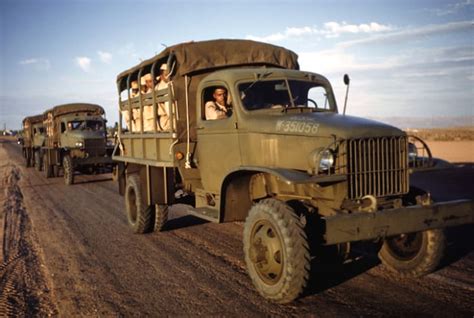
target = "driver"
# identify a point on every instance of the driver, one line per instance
(218, 108)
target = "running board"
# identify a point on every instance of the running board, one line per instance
(205, 213)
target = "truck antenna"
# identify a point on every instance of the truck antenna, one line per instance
(347, 80)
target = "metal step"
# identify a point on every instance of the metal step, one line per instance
(205, 213)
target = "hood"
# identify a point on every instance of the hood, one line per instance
(85, 134)
(320, 124)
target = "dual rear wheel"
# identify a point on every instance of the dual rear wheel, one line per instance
(142, 218)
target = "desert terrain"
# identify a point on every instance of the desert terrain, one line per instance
(68, 251)
(451, 144)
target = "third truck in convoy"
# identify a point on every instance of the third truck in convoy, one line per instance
(32, 140)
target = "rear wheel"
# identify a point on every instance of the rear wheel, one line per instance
(276, 251)
(47, 168)
(414, 254)
(38, 161)
(161, 216)
(27, 155)
(139, 215)
(68, 170)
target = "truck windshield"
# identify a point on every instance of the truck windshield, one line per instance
(284, 94)
(95, 125)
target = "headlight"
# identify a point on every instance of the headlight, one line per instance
(79, 144)
(110, 143)
(326, 160)
(412, 151)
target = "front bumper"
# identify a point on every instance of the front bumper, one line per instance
(362, 226)
(93, 161)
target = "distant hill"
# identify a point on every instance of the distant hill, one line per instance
(428, 122)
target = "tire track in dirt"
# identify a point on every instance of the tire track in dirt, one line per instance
(24, 290)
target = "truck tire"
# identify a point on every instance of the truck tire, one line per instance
(68, 170)
(276, 251)
(27, 155)
(414, 254)
(161, 216)
(139, 215)
(38, 161)
(47, 168)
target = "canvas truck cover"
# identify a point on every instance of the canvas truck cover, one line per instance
(74, 108)
(50, 114)
(198, 59)
(28, 123)
(31, 120)
(193, 57)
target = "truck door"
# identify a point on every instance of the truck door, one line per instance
(218, 143)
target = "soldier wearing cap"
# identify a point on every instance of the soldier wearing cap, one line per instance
(163, 78)
(218, 108)
(147, 83)
(134, 92)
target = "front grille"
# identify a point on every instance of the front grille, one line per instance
(376, 166)
(95, 147)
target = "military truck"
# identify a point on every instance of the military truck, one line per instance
(33, 140)
(285, 161)
(76, 141)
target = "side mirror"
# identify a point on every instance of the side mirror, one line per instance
(347, 80)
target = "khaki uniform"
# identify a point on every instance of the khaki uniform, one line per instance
(126, 118)
(163, 108)
(215, 110)
(132, 94)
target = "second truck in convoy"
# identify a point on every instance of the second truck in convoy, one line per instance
(284, 160)
(75, 140)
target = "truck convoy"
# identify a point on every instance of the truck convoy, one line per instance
(283, 160)
(279, 156)
(69, 137)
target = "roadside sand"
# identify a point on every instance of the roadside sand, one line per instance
(453, 151)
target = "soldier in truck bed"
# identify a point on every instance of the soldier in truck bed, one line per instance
(163, 108)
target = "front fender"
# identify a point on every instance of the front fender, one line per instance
(292, 176)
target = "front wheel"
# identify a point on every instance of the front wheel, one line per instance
(414, 254)
(276, 251)
(68, 170)
(47, 168)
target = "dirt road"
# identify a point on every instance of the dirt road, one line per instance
(68, 250)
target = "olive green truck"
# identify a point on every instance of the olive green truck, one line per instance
(33, 140)
(75, 141)
(284, 160)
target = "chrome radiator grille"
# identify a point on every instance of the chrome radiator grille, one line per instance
(375, 166)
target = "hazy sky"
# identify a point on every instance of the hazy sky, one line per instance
(404, 57)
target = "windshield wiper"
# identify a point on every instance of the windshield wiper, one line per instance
(259, 77)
